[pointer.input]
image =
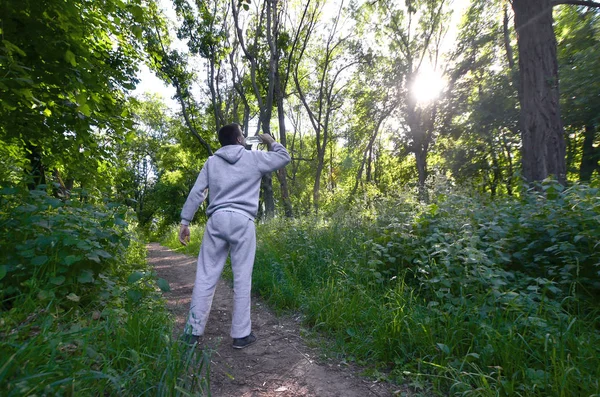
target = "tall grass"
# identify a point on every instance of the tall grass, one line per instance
(80, 310)
(464, 296)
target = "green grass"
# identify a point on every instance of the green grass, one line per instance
(464, 296)
(80, 310)
(130, 352)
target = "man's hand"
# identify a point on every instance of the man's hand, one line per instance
(184, 234)
(267, 139)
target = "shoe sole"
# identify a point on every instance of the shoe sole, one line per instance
(244, 346)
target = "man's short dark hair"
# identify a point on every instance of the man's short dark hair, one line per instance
(228, 134)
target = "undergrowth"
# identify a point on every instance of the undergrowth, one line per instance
(464, 296)
(80, 309)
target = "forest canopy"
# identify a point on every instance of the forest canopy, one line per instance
(369, 97)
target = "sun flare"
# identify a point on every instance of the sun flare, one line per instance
(427, 86)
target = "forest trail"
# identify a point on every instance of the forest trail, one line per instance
(278, 364)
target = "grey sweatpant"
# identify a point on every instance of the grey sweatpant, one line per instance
(226, 232)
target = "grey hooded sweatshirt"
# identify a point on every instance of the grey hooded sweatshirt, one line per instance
(232, 177)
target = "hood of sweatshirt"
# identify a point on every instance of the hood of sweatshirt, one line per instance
(231, 153)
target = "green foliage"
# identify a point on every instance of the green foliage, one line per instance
(464, 296)
(81, 313)
(65, 69)
(171, 239)
(119, 351)
(481, 142)
(578, 34)
(58, 248)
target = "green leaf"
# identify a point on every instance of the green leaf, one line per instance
(13, 48)
(134, 295)
(59, 280)
(444, 348)
(3, 271)
(81, 98)
(54, 202)
(472, 357)
(85, 109)
(27, 253)
(73, 297)
(84, 245)
(137, 12)
(103, 254)
(70, 57)
(70, 259)
(134, 277)
(86, 276)
(163, 285)
(8, 191)
(137, 31)
(47, 112)
(45, 295)
(39, 260)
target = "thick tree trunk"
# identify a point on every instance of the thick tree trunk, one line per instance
(421, 159)
(541, 127)
(590, 158)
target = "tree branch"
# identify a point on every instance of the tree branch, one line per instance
(585, 3)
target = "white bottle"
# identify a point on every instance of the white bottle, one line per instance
(253, 140)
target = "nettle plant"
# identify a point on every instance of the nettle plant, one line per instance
(58, 248)
(546, 237)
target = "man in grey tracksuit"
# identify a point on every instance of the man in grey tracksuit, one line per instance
(232, 177)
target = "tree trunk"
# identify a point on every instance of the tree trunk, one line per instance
(267, 179)
(219, 122)
(421, 159)
(590, 158)
(541, 127)
(317, 185)
(369, 161)
(509, 159)
(282, 173)
(267, 188)
(506, 36)
(36, 167)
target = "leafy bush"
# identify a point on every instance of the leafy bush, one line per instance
(467, 295)
(81, 313)
(55, 247)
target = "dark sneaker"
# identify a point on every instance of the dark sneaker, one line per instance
(190, 339)
(240, 343)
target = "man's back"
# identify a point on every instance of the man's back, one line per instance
(232, 177)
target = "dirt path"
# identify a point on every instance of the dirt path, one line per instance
(278, 364)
